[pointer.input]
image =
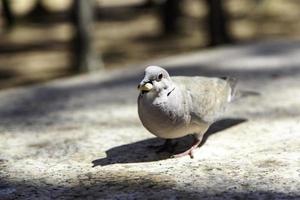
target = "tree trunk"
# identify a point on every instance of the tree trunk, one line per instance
(84, 54)
(7, 14)
(217, 23)
(170, 12)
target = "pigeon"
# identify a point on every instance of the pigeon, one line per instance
(173, 107)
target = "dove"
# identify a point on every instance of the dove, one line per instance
(173, 107)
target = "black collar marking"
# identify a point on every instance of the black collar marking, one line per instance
(171, 91)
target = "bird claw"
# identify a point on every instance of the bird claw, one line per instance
(189, 152)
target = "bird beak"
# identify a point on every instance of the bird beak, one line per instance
(145, 87)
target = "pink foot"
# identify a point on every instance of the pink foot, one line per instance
(189, 152)
(185, 153)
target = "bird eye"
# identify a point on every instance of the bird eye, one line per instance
(160, 76)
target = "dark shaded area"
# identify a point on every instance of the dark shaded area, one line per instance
(39, 13)
(194, 70)
(139, 151)
(7, 74)
(131, 186)
(49, 45)
(40, 102)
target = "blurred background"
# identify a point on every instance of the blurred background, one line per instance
(42, 40)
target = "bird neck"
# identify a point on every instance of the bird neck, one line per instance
(167, 90)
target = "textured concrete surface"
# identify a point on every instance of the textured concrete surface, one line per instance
(80, 138)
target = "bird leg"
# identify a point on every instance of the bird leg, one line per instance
(190, 151)
(167, 146)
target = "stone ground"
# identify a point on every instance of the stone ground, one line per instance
(80, 138)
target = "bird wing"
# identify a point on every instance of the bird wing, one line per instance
(206, 96)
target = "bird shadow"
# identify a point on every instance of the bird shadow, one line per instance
(142, 151)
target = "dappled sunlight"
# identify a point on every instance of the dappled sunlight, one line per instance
(80, 136)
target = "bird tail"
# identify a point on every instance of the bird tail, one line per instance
(232, 82)
(238, 94)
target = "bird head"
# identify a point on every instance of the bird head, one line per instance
(156, 79)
